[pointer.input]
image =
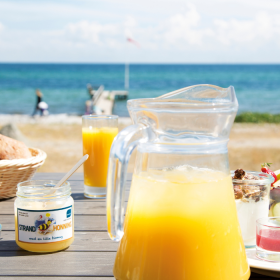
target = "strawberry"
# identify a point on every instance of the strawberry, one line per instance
(265, 169)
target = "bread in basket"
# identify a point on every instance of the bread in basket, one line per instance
(15, 171)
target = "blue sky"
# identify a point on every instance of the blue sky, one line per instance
(168, 31)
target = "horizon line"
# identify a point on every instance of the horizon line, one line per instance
(151, 63)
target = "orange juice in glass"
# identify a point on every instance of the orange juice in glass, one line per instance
(98, 132)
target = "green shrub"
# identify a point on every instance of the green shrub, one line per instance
(250, 117)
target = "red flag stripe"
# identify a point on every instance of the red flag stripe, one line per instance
(133, 41)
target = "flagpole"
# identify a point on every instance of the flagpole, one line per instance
(126, 70)
(126, 66)
(126, 76)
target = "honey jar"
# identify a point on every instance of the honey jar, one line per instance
(44, 216)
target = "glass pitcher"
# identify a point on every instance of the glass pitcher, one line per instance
(181, 221)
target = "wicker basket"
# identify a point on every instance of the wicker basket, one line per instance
(15, 171)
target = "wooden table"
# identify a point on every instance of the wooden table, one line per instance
(90, 256)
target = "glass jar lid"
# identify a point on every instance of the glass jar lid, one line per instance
(43, 189)
(259, 178)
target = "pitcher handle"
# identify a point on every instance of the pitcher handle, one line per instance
(124, 144)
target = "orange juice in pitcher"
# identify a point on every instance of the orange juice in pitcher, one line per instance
(177, 227)
(181, 221)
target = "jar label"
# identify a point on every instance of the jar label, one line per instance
(44, 226)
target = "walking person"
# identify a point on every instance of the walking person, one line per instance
(40, 104)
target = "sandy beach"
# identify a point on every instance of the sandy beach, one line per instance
(60, 137)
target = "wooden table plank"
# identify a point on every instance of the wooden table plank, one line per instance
(52, 278)
(77, 186)
(70, 263)
(78, 177)
(77, 196)
(259, 277)
(84, 241)
(96, 208)
(23, 263)
(254, 275)
(81, 223)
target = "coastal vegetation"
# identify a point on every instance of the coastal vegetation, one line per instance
(251, 117)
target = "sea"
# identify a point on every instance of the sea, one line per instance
(64, 86)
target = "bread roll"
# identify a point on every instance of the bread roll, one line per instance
(12, 149)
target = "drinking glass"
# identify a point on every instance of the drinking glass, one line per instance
(252, 203)
(98, 132)
(268, 239)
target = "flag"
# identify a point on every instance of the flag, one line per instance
(133, 42)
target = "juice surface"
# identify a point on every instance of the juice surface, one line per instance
(182, 226)
(97, 144)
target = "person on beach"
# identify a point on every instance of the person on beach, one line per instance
(90, 90)
(40, 104)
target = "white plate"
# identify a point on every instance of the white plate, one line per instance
(262, 267)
